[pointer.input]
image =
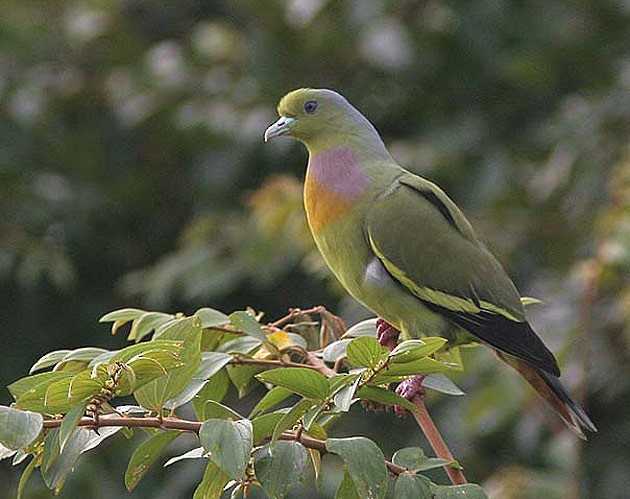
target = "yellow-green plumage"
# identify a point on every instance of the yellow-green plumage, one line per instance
(401, 247)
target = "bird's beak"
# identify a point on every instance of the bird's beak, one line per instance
(280, 127)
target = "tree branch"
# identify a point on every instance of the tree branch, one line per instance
(170, 423)
(426, 424)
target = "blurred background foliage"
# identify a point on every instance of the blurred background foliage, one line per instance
(133, 173)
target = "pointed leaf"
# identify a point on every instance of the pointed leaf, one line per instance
(48, 360)
(415, 459)
(363, 328)
(147, 322)
(244, 322)
(196, 453)
(290, 418)
(301, 380)
(242, 377)
(410, 350)
(215, 410)
(211, 318)
(145, 455)
(271, 399)
(124, 314)
(279, 470)
(229, 443)
(441, 383)
(26, 474)
(344, 398)
(19, 428)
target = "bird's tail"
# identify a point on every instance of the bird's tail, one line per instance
(551, 389)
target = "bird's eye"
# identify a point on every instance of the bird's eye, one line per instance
(310, 106)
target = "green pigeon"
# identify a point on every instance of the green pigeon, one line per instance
(400, 246)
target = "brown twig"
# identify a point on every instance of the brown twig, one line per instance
(424, 420)
(178, 424)
(294, 312)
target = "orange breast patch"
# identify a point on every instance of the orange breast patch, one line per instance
(322, 206)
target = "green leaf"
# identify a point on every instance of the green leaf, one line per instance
(85, 354)
(245, 345)
(215, 410)
(344, 398)
(229, 443)
(385, 396)
(290, 418)
(210, 317)
(144, 368)
(145, 455)
(242, 321)
(271, 399)
(211, 363)
(398, 371)
(347, 489)
(409, 486)
(35, 386)
(196, 453)
(242, 377)
(26, 475)
(124, 314)
(156, 393)
(212, 483)
(79, 442)
(279, 470)
(410, 350)
(48, 360)
(336, 350)
(215, 389)
(441, 383)
(70, 422)
(365, 464)
(365, 352)
(415, 459)
(265, 424)
(64, 395)
(363, 328)
(468, 491)
(147, 322)
(301, 380)
(126, 354)
(19, 428)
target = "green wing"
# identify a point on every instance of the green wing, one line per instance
(427, 245)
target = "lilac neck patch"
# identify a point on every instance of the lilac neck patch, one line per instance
(338, 170)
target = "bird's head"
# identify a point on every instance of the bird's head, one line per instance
(318, 117)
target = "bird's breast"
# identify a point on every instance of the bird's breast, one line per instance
(335, 181)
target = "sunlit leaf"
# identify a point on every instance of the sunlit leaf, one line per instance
(336, 350)
(49, 360)
(411, 350)
(147, 322)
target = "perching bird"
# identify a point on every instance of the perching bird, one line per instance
(400, 246)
